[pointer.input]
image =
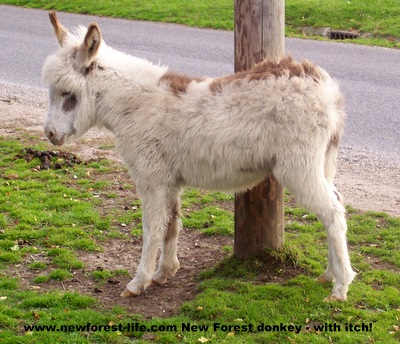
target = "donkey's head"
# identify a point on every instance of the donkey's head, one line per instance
(72, 107)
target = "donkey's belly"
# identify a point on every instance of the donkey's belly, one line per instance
(223, 180)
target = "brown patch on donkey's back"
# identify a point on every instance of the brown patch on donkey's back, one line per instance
(271, 68)
(177, 83)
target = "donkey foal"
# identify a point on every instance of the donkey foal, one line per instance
(226, 133)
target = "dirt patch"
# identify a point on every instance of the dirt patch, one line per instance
(196, 254)
(366, 182)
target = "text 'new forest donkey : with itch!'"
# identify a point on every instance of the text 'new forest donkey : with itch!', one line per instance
(227, 134)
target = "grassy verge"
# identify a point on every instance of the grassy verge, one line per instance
(377, 17)
(52, 220)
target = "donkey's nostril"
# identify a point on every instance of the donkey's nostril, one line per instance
(50, 133)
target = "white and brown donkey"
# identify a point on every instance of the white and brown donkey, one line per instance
(227, 133)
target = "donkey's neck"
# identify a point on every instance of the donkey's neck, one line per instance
(124, 85)
(138, 70)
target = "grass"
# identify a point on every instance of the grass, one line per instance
(377, 17)
(50, 220)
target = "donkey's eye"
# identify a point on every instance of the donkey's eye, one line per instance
(70, 102)
(65, 94)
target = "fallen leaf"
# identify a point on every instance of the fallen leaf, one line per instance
(203, 340)
(149, 336)
(14, 248)
(11, 176)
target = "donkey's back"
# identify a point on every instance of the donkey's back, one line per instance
(228, 133)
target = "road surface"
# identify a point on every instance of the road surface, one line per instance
(369, 76)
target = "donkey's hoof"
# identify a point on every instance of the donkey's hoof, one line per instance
(127, 293)
(334, 298)
(159, 281)
(323, 279)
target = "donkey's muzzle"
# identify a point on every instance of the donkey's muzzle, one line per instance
(55, 138)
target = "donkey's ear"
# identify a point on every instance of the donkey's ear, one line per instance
(60, 31)
(90, 46)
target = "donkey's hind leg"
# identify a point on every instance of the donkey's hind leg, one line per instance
(328, 275)
(339, 266)
(169, 264)
(318, 196)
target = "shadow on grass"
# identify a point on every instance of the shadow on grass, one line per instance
(276, 266)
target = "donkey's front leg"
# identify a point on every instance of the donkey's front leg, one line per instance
(169, 263)
(154, 221)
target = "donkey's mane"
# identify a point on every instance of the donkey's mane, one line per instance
(177, 83)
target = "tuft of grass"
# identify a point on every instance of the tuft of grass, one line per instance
(8, 283)
(285, 256)
(65, 259)
(38, 266)
(228, 249)
(60, 275)
(41, 279)
(103, 275)
(211, 220)
(233, 267)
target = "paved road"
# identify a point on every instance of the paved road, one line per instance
(369, 77)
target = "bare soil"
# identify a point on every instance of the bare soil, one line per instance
(367, 183)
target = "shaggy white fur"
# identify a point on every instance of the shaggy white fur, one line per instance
(228, 133)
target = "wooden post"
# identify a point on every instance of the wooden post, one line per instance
(259, 223)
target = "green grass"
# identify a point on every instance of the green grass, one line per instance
(381, 18)
(49, 221)
(103, 275)
(210, 220)
(378, 17)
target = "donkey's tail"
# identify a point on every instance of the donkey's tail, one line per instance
(331, 164)
(336, 113)
(331, 159)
